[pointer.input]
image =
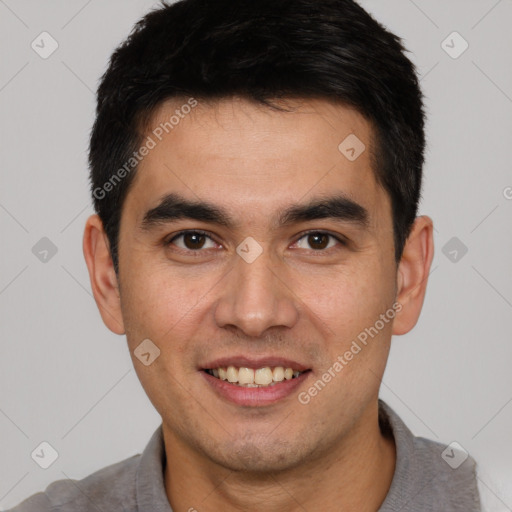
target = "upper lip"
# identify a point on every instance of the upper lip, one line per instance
(254, 363)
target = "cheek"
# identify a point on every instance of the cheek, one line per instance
(346, 300)
(156, 302)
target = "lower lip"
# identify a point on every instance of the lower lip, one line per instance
(254, 397)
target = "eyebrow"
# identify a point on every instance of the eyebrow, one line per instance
(174, 207)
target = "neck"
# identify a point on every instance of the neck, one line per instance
(355, 475)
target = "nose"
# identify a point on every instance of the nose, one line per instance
(256, 297)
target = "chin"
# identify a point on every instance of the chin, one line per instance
(259, 458)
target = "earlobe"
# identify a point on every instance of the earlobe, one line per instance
(412, 274)
(102, 275)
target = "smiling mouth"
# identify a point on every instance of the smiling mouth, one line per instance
(254, 378)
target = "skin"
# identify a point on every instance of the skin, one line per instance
(293, 301)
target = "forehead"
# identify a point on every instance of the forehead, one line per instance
(253, 160)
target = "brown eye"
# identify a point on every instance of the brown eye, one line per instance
(191, 240)
(319, 241)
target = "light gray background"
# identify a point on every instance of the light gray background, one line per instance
(67, 380)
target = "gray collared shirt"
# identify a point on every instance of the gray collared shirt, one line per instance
(424, 480)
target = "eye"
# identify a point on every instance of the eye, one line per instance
(195, 240)
(191, 240)
(319, 240)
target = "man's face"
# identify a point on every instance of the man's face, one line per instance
(213, 300)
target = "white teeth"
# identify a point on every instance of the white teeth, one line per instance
(246, 376)
(263, 376)
(249, 377)
(278, 374)
(232, 374)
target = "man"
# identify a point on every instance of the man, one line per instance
(256, 169)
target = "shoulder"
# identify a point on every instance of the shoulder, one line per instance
(449, 466)
(105, 489)
(429, 475)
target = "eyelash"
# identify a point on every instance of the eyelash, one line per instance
(339, 239)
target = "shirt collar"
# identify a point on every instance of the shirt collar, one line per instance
(405, 477)
(150, 488)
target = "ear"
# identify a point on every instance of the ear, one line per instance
(104, 283)
(413, 273)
